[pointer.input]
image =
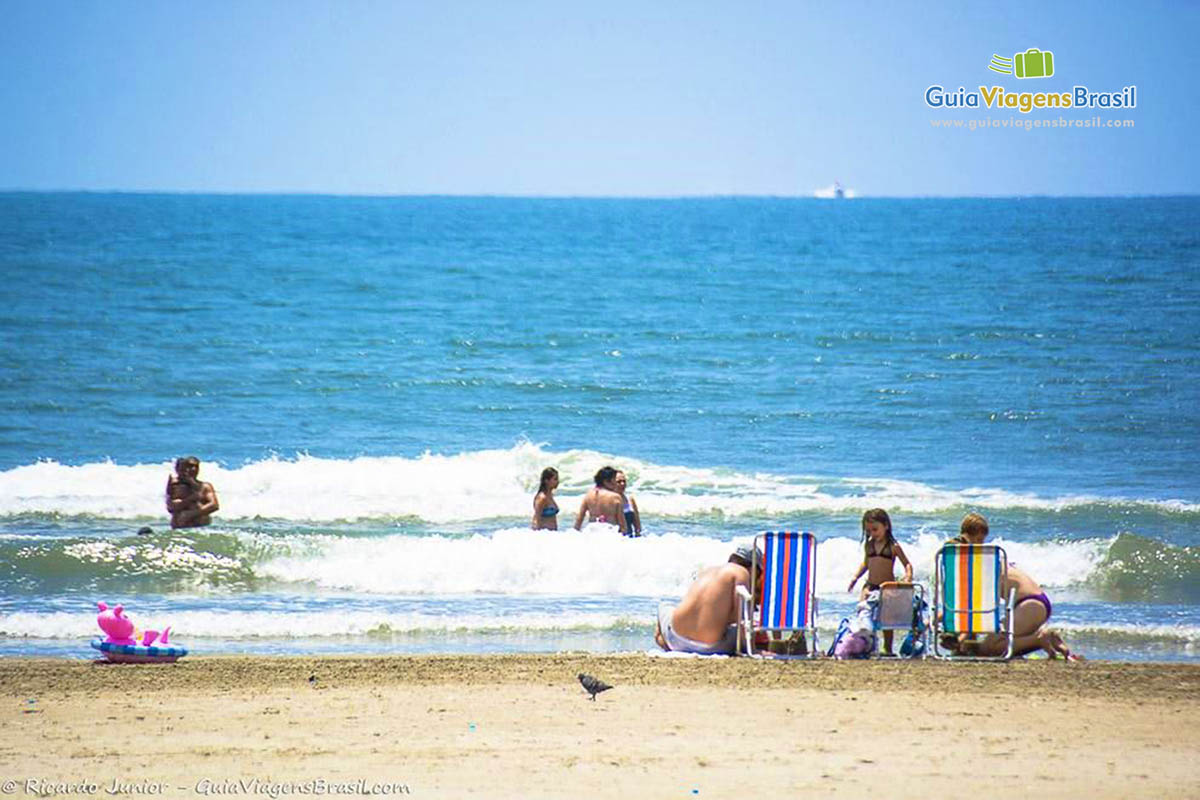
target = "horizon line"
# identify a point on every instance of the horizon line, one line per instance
(514, 196)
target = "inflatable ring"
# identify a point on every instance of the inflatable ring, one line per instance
(138, 654)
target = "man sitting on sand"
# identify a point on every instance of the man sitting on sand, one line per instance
(705, 621)
(190, 501)
(602, 503)
(1031, 609)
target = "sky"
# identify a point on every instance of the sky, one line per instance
(557, 98)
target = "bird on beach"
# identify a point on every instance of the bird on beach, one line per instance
(593, 685)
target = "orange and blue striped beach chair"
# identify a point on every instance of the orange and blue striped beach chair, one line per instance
(968, 596)
(788, 593)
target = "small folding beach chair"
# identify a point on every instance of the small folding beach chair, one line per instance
(899, 609)
(789, 598)
(968, 597)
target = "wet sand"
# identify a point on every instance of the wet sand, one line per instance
(522, 726)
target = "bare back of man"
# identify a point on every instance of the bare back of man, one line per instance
(709, 607)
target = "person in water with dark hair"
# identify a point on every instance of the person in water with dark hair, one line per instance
(602, 503)
(629, 508)
(545, 510)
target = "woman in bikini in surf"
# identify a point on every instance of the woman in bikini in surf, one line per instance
(545, 510)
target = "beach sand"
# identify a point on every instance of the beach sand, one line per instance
(521, 726)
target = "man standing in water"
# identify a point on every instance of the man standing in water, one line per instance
(190, 501)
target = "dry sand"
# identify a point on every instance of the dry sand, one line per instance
(522, 727)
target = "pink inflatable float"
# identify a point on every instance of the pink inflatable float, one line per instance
(119, 644)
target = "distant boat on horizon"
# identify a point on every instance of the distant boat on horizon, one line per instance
(834, 192)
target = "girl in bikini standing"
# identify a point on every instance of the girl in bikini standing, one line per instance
(880, 551)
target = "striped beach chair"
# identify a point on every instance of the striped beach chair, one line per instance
(788, 592)
(968, 596)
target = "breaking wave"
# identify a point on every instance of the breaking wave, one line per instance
(494, 484)
(520, 562)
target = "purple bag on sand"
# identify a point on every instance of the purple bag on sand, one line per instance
(860, 640)
(854, 645)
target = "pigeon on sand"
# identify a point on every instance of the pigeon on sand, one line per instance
(593, 685)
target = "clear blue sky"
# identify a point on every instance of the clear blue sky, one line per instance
(562, 98)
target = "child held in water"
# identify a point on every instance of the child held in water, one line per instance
(880, 551)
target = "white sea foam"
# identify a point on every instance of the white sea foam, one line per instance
(1133, 633)
(286, 624)
(242, 624)
(511, 580)
(486, 484)
(1053, 564)
(514, 561)
(599, 561)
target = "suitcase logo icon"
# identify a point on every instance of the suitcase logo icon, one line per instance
(1033, 63)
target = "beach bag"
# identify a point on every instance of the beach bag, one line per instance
(854, 645)
(851, 640)
(859, 640)
(843, 630)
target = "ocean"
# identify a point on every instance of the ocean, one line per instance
(373, 385)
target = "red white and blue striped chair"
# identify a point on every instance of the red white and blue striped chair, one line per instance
(788, 594)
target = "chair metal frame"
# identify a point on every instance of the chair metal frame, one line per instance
(1000, 606)
(801, 559)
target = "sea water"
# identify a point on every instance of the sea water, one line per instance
(374, 384)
